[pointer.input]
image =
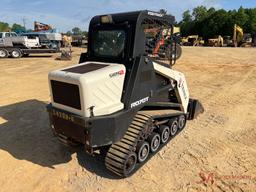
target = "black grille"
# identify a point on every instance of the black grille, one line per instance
(66, 94)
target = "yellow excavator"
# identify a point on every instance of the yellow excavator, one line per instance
(217, 41)
(192, 40)
(241, 39)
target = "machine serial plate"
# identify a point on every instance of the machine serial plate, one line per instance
(63, 115)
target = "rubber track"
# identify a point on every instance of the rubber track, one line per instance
(119, 151)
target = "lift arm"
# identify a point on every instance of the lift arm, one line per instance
(178, 78)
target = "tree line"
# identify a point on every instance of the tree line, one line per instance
(208, 23)
(202, 21)
(15, 27)
(77, 31)
(5, 27)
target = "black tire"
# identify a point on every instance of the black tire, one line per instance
(142, 151)
(164, 132)
(174, 126)
(16, 53)
(182, 122)
(154, 142)
(3, 53)
(178, 52)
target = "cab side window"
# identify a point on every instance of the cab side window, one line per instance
(13, 34)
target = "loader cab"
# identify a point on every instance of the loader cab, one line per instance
(124, 39)
(121, 38)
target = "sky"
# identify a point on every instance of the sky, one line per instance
(66, 14)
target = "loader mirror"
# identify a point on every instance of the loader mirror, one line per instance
(106, 19)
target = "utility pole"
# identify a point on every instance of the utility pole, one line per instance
(24, 23)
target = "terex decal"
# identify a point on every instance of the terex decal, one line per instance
(121, 72)
(181, 86)
(155, 14)
(137, 103)
(180, 82)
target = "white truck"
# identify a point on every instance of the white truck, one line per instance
(51, 39)
(17, 46)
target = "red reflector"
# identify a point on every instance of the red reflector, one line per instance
(121, 72)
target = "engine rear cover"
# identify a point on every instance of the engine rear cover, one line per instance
(100, 87)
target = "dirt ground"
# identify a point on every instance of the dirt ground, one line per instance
(216, 152)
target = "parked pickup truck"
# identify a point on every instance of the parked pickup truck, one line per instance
(7, 34)
(17, 46)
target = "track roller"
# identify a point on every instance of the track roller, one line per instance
(154, 141)
(143, 150)
(130, 163)
(182, 121)
(164, 133)
(174, 126)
